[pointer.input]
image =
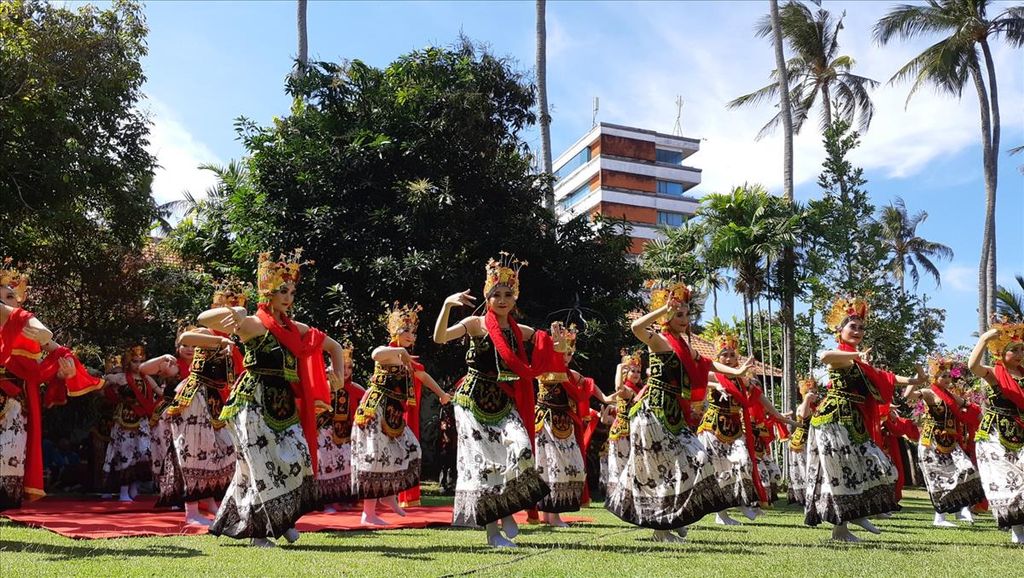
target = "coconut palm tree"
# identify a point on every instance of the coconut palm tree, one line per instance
(1011, 303)
(542, 100)
(300, 21)
(907, 251)
(949, 65)
(816, 71)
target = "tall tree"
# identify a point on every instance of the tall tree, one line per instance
(542, 101)
(949, 65)
(816, 71)
(1009, 302)
(300, 21)
(906, 249)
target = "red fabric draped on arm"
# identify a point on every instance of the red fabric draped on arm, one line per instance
(696, 369)
(312, 391)
(59, 389)
(746, 404)
(883, 385)
(412, 419)
(27, 369)
(1008, 386)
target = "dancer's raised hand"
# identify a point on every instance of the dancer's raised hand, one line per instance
(463, 299)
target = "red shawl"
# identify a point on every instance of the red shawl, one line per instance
(877, 403)
(1008, 386)
(27, 369)
(579, 392)
(895, 427)
(57, 389)
(746, 403)
(411, 497)
(311, 391)
(143, 395)
(543, 358)
(696, 369)
(969, 414)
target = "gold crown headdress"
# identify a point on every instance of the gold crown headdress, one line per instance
(504, 271)
(133, 352)
(570, 333)
(662, 290)
(807, 384)
(112, 363)
(844, 308)
(632, 360)
(346, 353)
(230, 292)
(271, 275)
(1009, 334)
(722, 337)
(11, 277)
(938, 364)
(402, 318)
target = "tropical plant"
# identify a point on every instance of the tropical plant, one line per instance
(906, 249)
(949, 65)
(816, 71)
(542, 102)
(1011, 303)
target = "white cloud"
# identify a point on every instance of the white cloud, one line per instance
(960, 278)
(178, 155)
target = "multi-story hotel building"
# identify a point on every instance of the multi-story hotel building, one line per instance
(629, 173)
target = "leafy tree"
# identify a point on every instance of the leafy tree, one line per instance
(1010, 302)
(906, 249)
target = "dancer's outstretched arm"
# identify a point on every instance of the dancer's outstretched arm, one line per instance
(978, 355)
(443, 333)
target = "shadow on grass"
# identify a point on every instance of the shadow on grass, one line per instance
(866, 544)
(643, 546)
(430, 553)
(60, 553)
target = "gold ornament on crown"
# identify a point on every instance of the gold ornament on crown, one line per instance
(271, 274)
(1009, 334)
(632, 360)
(16, 279)
(113, 363)
(503, 272)
(402, 318)
(569, 335)
(230, 292)
(346, 353)
(664, 290)
(724, 339)
(844, 308)
(132, 352)
(807, 384)
(938, 364)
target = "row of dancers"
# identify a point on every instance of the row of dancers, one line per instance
(258, 422)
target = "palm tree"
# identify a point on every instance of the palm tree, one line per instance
(1010, 303)
(948, 65)
(816, 70)
(906, 250)
(542, 97)
(746, 230)
(300, 21)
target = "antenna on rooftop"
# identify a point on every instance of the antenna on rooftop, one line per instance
(597, 106)
(678, 128)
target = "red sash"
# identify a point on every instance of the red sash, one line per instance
(883, 385)
(1009, 387)
(579, 393)
(27, 369)
(696, 369)
(412, 419)
(745, 403)
(143, 395)
(58, 390)
(543, 356)
(311, 392)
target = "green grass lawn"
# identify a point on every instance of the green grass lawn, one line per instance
(776, 545)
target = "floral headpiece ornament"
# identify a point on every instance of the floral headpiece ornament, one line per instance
(503, 272)
(230, 292)
(113, 363)
(632, 360)
(570, 334)
(11, 277)
(807, 384)
(845, 308)
(938, 364)
(724, 338)
(346, 352)
(402, 318)
(132, 352)
(1010, 334)
(271, 274)
(662, 290)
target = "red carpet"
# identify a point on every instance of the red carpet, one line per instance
(95, 518)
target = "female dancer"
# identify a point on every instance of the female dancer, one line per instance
(202, 455)
(334, 447)
(271, 413)
(627, 387)
(385, 453)
(798, 440)
(23, 370)
(496, 472)
(728, 432)
(951, 478)
(563, 410)
(668, 482)
(1000, 438)
(849, 477)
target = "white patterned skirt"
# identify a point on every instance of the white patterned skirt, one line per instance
(618, 456)
(668, 481)
(160, 447)
(797, 475)
(273, 483)
(496, 472)
(952, 480)
(334, 468)
(733, 468)
(1002, 479)
(201, 457)
(13, 441)
(560, 464)
(771, 476)
(128, 455)
(846, 480)
(382, 465)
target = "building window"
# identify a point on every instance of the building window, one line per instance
(670, 188)
(670, 157)
(671, 219)
(572, 164)
(574, 197)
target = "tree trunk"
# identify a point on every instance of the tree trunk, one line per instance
(991, 178)
(303, 56)
(714, 300)
(542, 98)
(986, 297)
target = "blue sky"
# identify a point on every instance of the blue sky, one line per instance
(211, 62)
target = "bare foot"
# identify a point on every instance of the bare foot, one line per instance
(509, 527)
(292, 535)
(867, 525)
(197, 520)
(497, 541)
(843, 534)
(723, 519)
(262, 543)
(392, 502)
(749, 513)
(372, 520)
(666, 536)
(556, 521)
